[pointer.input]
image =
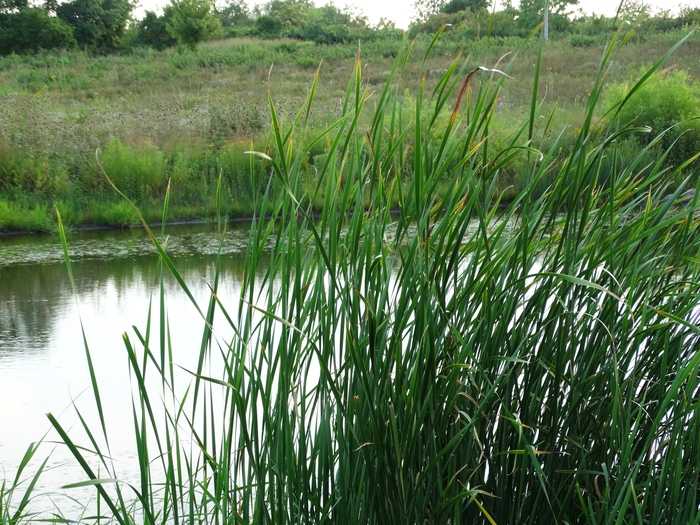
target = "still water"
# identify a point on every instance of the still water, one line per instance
(43, 366)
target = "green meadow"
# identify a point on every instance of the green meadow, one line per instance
(185, 118)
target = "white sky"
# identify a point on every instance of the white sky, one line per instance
(401, 11)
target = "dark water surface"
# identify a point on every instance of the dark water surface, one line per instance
(43, 366)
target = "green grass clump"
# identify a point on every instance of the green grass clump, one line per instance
(138, 170)
(437, 360)
(15, 217)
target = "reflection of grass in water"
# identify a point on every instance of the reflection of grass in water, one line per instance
(544, 374)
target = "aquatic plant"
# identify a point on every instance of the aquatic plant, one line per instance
(416, 354)
(17, 493)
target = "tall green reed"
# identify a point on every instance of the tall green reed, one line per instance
(12, 511)
(416, 354)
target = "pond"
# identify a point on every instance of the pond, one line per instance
(43, 366)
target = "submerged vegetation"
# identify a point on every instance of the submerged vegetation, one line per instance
(414, 355)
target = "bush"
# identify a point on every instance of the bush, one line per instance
(22, 171)
(33, 29)
(99, 24)
(327, 34)
(267, 27)
(120, 214)
(665, 103)
(153, 31)
(581, 41)
(191, 22)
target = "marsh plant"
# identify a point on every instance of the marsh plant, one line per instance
(416, 354)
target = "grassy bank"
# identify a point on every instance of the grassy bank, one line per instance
(188, 117)
(444, 365)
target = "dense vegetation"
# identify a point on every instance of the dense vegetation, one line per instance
(189, 116)
(161, 105)
(439, 362)
(106, 26)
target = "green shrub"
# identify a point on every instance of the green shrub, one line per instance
(582, 41)
(191, 22)
(98, 24)
(153, 32)
(665, 103)
(33, 29)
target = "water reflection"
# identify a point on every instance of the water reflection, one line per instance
(30, 297)
(42, 357)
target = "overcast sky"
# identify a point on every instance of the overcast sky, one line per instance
(401, 11)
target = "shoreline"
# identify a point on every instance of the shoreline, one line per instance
(107, 227)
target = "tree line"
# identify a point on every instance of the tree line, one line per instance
(108, 26)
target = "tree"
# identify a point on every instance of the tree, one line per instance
(531, 13)
(292, 15)
(99, 24)
(32, 29)
(426, 8)
(12, 6)
(50, 6)
(455, 6)
(9, 7)
(153, 31)
(634, 11)
(192, 22)
(233, 13)
(327, 25)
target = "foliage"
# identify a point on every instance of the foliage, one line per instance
(288, 15)
(582, 41)
(414, 355)
(425, 8)
(302, 20)
(98, 24)
(13, 6)
(153, 30)
(532, 13)
(32, 29)
(267, 26)
(428, 8)
(434, 22)
(192, 21)
(330, 25)
(8, 7)
(667, 103)
(233, 13)
(455, 6)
